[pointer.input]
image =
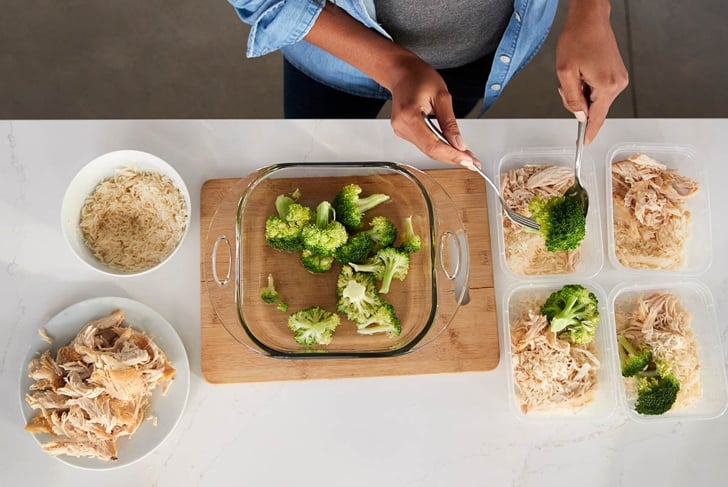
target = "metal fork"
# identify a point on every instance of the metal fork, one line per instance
(514, 216)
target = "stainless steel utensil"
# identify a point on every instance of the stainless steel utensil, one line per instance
(512, 214)
(577, 191)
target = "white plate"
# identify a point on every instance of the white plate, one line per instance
(167, 409)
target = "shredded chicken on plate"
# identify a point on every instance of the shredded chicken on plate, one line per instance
(651, 225)
(661, 322)
(96, 389)
(525, 252)
(550, 373)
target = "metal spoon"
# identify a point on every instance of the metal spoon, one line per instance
(577, 191)
(514, 216)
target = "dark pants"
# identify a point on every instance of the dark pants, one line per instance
(307, 98)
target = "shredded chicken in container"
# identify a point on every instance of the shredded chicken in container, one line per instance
(661, 322)
(550, 373)
(651, 225)
(96, 389)
(525, 252)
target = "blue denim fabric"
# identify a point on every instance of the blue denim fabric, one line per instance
(282, 24)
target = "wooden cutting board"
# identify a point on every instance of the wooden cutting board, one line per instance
(470, 343)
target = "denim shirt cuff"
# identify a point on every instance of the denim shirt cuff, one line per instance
(282, 24)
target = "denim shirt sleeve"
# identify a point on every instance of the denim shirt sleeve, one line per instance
(276, 23)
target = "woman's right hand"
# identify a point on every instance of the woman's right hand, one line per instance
(417, 89)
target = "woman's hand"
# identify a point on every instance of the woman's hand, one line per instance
(587, 53)
(416, 87)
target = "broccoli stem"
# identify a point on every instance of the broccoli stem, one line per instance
(627, 345)
(371, 330)
(323, 214)
(650, 373)
(373, 268)
(283, 202)
(563, 316)
(366, 204)
(387, 277)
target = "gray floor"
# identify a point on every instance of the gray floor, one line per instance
(186, 59)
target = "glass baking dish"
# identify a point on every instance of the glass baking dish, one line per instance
(240, 261)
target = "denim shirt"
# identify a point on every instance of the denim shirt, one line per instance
(282, 24)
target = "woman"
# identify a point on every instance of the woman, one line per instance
(430, 57)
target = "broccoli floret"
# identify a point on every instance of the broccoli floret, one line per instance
(313, 325)
(573, 312)
(632, 359)
(562, 221)
(350, 208)
(357, 294)
(283, 229)
(382, 231)
(411, 242)
(317, 264)
(395, 265)
(383, 320)
(325, 234)
(268, 293)
(387, 264)
(657, 389)
(356, 249)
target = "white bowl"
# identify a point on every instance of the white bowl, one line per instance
(83, 185)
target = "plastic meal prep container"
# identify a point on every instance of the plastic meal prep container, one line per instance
(522, 296)
(592, 258)
(611, 395)
(240, 261)
(686, 161)
(697, 299)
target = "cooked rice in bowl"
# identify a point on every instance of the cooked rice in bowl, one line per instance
(133, 220)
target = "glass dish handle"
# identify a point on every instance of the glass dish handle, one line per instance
(215, 276)
(446, 247)
(454, 247)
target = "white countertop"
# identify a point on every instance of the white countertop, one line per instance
(427, 430)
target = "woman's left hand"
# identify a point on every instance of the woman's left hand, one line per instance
(587, 53)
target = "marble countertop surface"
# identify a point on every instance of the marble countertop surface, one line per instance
(423, 430)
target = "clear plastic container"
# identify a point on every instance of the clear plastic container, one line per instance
(516, 300)
(686, 161)
(592, 253)
(698, 300)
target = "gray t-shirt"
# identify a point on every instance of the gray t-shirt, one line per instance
(445, 33)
